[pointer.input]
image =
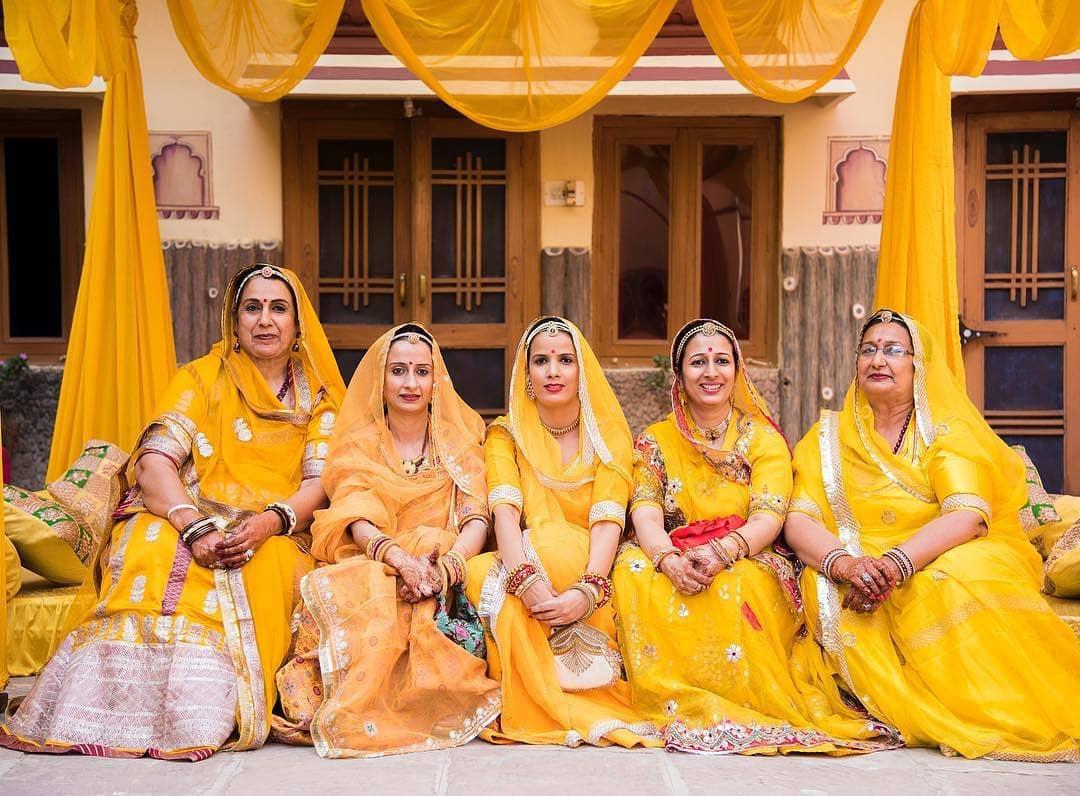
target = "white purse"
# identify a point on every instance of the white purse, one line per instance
(584, 658)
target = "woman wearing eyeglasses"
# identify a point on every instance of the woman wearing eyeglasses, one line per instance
(920, 585)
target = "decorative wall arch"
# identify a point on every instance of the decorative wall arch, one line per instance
(182, 171)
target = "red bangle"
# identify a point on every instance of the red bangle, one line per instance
(517, 576)
(601, 584)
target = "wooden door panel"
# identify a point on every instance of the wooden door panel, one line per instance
(426, 219)
(1019, 240)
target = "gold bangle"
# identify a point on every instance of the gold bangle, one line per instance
(590, 595)
(527, 584)
(662, 553)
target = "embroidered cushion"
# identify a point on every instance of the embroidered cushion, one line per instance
(1039, 510)
(45, 535)
(1068, 509)
(56, 531)
(91, 489)
(1062, 573)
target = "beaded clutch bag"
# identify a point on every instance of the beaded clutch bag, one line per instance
(584, 658)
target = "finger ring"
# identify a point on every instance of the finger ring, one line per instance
(867, 578)
(248, 554)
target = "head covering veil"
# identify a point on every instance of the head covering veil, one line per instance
(362, 461)
(945, 418)
(605, 434)
(744, 397)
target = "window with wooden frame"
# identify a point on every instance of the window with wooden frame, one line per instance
(686, 225)
(41, 229)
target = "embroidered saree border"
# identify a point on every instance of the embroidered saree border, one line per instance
(251, 719)
(827, 593)
(331, 660)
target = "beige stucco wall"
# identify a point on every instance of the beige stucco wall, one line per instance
(566, 151)
(245, 137)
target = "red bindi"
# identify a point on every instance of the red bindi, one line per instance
(710, 350)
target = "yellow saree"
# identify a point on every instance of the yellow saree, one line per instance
(559, 504)
(171, 658)
(713, 668)
(966, 655)
(372, 675)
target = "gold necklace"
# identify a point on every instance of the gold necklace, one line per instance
(561, 432)
(713, 433)
(413, 466)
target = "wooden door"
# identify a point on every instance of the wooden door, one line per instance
(1020, 288)
(425, 219)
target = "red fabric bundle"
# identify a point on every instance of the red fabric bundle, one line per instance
(704, 531)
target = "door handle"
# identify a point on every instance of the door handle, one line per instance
(1074, 283)
(402, 288)
(968, 335)
(423, 288)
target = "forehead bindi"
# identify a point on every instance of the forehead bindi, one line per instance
(557, 346)
(699, 345)
(885, 333)
(266, 290)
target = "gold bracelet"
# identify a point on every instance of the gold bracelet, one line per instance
(527, 584)
(372, 541)
(743, 544)
(461, 566)
(662, 553)
(590, 595)
(721, 552)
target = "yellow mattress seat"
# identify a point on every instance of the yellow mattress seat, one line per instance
(1067, 609)
(36, 618)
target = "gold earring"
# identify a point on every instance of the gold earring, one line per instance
(529, 391)
(296, 345)
(236, 345)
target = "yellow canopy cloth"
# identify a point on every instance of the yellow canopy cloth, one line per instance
(258, 49)
(370, 674)
(171, 658)
(559, 504)
(917, 265)
(713, 669)
(120, 353)
(518, 65)
(966, 655)
(785, 50)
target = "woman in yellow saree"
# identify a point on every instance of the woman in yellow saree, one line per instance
(920, 584)
(189, 606)
(707, 611)
(559, 467)
(389, 655)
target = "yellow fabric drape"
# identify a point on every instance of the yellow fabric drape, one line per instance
(917, 266)
(518, 65)
(785, 50)
(120, 351)
(54, 41)
(258, 49)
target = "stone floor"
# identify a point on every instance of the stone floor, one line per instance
(480, 768)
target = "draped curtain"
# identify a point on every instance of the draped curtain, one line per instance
(258, 49)
(917, 265)
(120, 351)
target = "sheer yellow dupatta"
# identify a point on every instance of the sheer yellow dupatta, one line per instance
(605, 435)
(365, 477)
(946, 427)
(945, 421)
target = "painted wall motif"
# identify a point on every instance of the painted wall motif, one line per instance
(855, 187)
(183, 181)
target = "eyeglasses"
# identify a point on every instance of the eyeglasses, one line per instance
(891, 351)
